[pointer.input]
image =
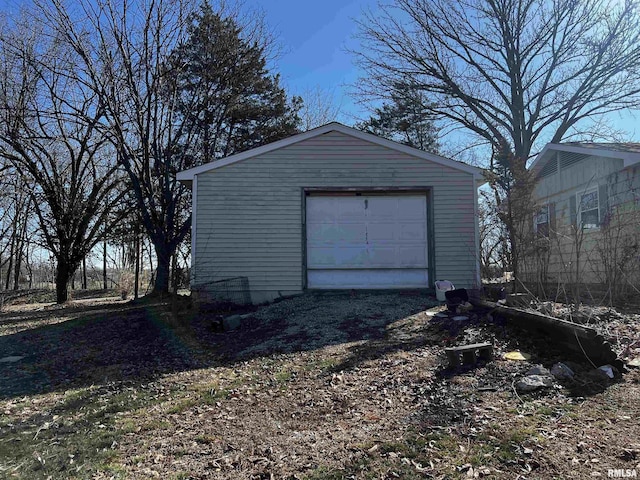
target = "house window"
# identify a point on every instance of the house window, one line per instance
(541, 221)
(589, 209)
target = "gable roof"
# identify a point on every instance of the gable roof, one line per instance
(629, 152)
(186, 176)
(629, 147)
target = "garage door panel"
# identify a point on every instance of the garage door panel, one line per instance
(348, 208)
(410, 208)
(320, 210)
(387, 278)
(351, 232)
(382, 257)
(380, 232)
(337, 256)
(412, 256)
(350, 256)
(317, 232)
(320, 257)
(381, 208)
(330, 234)
(412, 231)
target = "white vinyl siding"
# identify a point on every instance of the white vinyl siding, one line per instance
(250, 214)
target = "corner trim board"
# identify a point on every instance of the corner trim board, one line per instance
(194, 223)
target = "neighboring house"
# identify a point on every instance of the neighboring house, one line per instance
(587, 221)
(332, 208)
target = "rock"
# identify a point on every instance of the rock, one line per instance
(537, 377)
(234, 322)
(11, 359)
(231, 323)
(634, 363)
(517, 355)
(608, 370)
(562, 372)
(539, 370)
(533, 382)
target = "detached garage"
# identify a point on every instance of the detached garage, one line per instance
(332, 208)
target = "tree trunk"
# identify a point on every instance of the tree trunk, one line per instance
(137, 274)
(18, 266)
(10, 266)
(174, 286)
(152, 271)
(163, 267)
(64, 272)
(104, 264)
(84, 273)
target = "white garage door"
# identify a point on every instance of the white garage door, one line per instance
(367, 241)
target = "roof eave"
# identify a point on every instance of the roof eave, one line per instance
(186, 175)
(629, 158)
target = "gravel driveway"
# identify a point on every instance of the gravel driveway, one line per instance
(313, 321)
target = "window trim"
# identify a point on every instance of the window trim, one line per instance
(548, 222)
(579, 196)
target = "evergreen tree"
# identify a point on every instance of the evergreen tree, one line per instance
(229, 99)
(405, 120)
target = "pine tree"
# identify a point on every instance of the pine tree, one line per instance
(229, 99)
(404, 119)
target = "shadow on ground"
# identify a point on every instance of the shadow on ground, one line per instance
(80, 346)
(137, 342)
(89, 345)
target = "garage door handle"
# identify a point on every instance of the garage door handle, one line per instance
(366, 203)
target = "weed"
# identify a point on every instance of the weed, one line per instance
(205, 439)
(283, 376)
(213, 396)
(182, 405)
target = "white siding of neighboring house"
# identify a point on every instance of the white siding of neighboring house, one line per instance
(250, 214)
(578, 177)
(615, 186)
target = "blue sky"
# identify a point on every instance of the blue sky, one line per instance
(315, 36)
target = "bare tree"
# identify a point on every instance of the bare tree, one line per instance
(493, 248)
(515, 74)
(174, 95)
(50, 133)
(16, 226)
(319, 108)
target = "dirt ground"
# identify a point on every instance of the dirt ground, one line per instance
(313, 387)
